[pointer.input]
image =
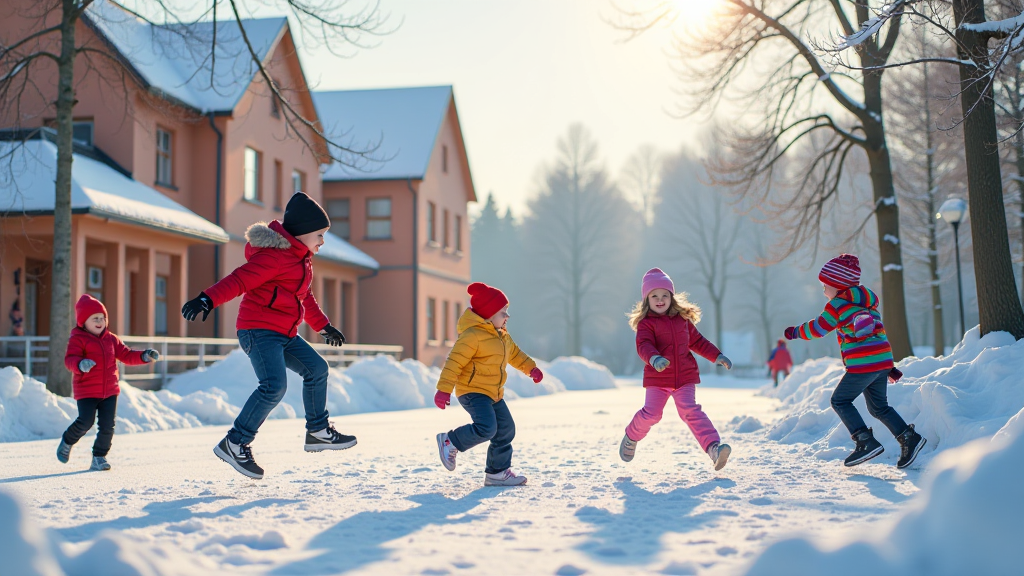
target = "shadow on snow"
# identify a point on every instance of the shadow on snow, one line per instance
(634, 536)
(359, 539)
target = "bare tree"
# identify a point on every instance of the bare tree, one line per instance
(702, 228)
(756, 54)
(640, 178)
(931, 158)
(51, 40)
(580, 234)
(999, 308)
(1009, 100)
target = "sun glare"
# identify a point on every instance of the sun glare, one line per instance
(696, 13)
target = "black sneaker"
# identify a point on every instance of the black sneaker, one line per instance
(910, 444)
(867, 447)
(240, 458)
(328, 439)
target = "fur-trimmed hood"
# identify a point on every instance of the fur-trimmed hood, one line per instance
(261, 235)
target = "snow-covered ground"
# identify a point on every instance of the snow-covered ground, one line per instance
(784, 505)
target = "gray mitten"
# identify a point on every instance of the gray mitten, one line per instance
(659, 363)
(150, 355)
(85, 365)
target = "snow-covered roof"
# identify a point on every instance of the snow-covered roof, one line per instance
(338, 250)
(404, 122)
(175, 59)
(30, 169)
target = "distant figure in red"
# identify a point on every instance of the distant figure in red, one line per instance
(780, 361)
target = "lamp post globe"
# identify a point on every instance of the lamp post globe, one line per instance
(953, 211)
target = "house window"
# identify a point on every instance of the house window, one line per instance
(278, 185)
(431, 322)
(338, 211)
(458, 233)
(298, 182)
(444, 159)
(82, 132)
(160, 311)
(447, 244)
(431, 224)
(446, 323)
(378, 218)
(252, 175)
(164, 174)
(94, 282)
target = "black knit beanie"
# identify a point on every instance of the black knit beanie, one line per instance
(303, 215)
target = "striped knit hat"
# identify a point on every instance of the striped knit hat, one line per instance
(841, 272)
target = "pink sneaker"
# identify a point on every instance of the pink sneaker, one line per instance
(504, 478)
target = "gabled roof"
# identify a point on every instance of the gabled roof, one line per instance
(175, 62)
(405, 122)
(26, 187)
(338, 250)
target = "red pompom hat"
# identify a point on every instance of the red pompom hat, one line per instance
(87, 306)
(486, 301)
(841, 272)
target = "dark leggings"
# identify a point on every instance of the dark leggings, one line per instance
(873, 386)
(88, 410)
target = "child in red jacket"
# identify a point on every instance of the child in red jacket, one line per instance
(92, 355)
(276, 288)
(665, 340)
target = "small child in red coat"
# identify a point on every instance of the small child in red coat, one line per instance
(92, 355)
(666, 337)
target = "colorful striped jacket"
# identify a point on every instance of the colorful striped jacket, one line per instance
(854, 315)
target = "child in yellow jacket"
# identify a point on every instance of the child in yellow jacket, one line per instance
(475, 370)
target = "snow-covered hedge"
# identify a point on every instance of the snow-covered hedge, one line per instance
(951, 400)
(965, 520)
(214, 396)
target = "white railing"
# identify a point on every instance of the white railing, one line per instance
(177, 354)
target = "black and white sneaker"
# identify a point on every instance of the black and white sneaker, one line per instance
(328, 439)
(239, 456)
(910, 444)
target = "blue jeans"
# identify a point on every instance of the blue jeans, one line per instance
(270, 353)
(873, 386)
(491, 421)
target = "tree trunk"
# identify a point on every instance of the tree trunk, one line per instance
(717, 301)
(1018, 148)
(58, 379)
(887, 220)
(575, 330)
(999, 309)
(939, 335)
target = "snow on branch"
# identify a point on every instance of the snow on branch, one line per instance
(872, 26)
(996, 27)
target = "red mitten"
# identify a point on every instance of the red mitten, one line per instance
(442, 399)
(537, 375)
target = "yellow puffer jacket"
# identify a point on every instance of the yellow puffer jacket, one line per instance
(477, 361)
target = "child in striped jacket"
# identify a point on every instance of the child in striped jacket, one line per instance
(852, 311)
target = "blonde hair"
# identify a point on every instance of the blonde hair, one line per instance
(681, 306)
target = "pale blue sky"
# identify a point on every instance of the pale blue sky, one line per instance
(523, 71)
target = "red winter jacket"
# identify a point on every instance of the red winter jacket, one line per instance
(275, 280)
(105, 350)
(672, 337)
(780, 359)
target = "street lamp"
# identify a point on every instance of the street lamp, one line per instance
(953, 211)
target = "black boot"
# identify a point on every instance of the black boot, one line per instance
(910, 444)
(867, 447)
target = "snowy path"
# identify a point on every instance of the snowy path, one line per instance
(387, 505)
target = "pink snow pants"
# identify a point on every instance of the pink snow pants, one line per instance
(686, 403)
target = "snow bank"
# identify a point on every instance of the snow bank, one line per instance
(577, 373)
(214, 396)
(965, 520)
(23, 547)
(952, 400)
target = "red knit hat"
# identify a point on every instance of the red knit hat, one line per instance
(486, 300)
(841, 272)
(87, 306)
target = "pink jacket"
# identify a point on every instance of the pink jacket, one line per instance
(675, 338)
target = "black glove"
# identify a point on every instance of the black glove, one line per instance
(193, 307)
(332, 335)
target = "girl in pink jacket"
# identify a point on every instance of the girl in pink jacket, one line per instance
(666, 337)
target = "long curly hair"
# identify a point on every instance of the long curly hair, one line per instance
(681, 306)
